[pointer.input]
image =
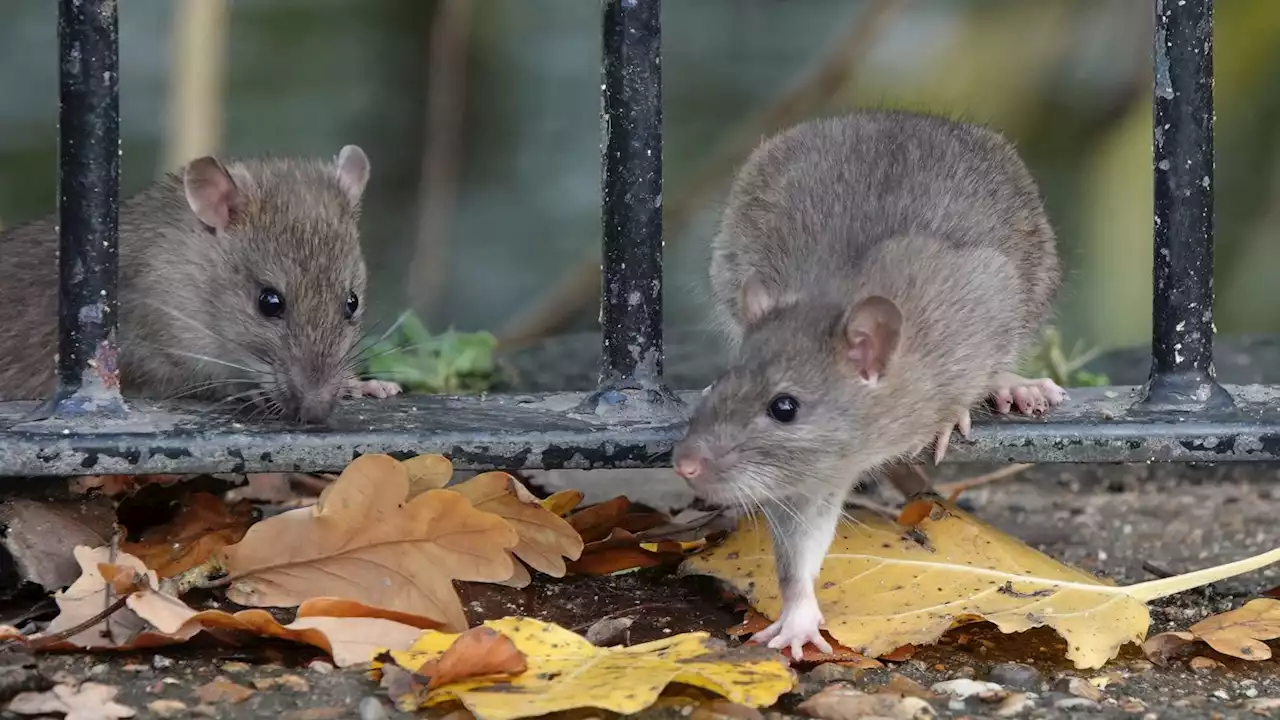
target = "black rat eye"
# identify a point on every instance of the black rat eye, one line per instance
(783, 408)
(270, 302)
(353, 304)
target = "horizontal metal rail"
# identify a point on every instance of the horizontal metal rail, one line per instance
(632, 419)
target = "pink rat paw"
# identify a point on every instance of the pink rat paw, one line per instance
(798, 626)
(381, 389)
(1028, 396)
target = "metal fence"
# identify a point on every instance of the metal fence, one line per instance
(1182, 414)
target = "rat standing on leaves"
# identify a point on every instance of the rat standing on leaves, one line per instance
(242, 281)
(878, 275)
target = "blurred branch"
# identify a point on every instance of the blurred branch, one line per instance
(196, 81)
(437, 195)
(580, 286)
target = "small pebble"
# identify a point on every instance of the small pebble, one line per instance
(205, 710)
(827, 673)
(1078, 687)
(167, 708)
(1015, 675)
(99, 669)
(135, 668)
(235, 667)
(964, 688)
(1076, 703)
(1201, 663)
(1221, 694)
(371, 708)
(320, 666)
(160, 662)
(1016, 704)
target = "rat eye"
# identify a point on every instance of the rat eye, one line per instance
(270, 302)
(353, 304)
(783, 408)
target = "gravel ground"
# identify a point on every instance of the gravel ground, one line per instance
(1115, 520)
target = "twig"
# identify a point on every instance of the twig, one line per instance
(46, 640)
(953, 489)
(446, 96)
(579, 287)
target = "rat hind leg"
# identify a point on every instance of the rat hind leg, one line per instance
(1029, 396)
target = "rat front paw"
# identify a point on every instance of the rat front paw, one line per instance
(1029, 396)
(798, 626)
(355, 388)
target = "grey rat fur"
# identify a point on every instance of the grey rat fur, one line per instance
(197, 249)
(885, 269)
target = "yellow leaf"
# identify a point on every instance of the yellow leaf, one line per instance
(563, 502)
(1241, 632)
(882, 587)
(428, 472)
(362, 541)
(566, 672)
(545, 538)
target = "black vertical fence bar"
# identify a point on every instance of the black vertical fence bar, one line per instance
(88, 199)
(631, 300)
(1182, 330)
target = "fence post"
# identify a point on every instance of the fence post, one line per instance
(631, 119)
(88, 378)
(1182, 376)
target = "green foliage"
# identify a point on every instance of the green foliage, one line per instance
(1066, 369)
(448, 363)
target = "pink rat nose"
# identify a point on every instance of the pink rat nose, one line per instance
(688, 467)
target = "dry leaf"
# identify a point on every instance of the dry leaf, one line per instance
(1160, 648)
(203, 527)
(343, 629)
(567, 672)
(363, 542)
(478, 652)
(914, 512)
(428, 472)
(348, 631)
(881, 587)
(597, 521)
(841, 702)
(622, 550)
(90, 594)
(40, 536)
(545, 538)
(1239, 633)
(563, 502)
(222, 690)
(90, 701)
(122, 580)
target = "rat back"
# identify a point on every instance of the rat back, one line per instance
(812, 204)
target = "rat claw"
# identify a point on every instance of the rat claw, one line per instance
(798, 625)
(965, 424)
(1031, 397)
(940, 446)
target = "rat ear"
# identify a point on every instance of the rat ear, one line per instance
(353, 172)
(211, 193)
(756, 300)
(871, 336)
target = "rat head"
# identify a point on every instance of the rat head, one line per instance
(281, 288)
(790, 412)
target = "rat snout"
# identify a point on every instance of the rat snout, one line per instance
(316, 407)
(689, 465)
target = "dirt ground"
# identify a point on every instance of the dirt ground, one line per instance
(1124, 522)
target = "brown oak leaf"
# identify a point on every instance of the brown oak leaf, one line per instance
(362, 541)
(200, 529)
(545, 538)
(477, 652)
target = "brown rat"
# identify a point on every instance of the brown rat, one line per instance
(242, 281)
(878, 275)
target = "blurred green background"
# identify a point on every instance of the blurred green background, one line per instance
(481, 119)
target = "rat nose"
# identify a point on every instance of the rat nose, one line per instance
(689, 467)
(315, 407)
